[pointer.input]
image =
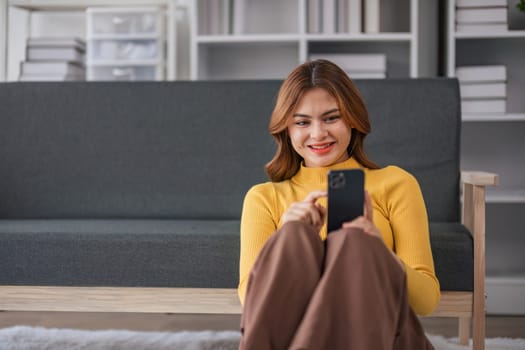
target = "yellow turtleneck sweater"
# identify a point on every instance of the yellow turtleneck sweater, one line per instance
(399, 214)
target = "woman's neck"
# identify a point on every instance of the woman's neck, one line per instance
(318, 175)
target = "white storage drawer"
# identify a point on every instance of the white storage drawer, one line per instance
(125, 43)
(124, 50)
(119, 21)
(111, 73)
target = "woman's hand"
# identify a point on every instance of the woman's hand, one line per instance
(366, 221)
(308, 211)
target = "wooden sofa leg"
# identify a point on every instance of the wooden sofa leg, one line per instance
(478, 330)
(464, 330)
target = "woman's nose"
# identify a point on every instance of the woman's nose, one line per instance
(318, 131)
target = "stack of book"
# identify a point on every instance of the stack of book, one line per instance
(358, 66)
(54, 59)
(483, 89)
(342, 16)
(215, 17)
(485, 16)
(219, 17)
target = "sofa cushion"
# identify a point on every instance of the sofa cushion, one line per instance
(453, 256)
(165, 253)
(147, 253)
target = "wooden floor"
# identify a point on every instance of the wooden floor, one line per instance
(497, 326)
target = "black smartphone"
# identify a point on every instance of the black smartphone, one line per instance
(346, 196)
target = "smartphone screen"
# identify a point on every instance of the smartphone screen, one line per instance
(346, 196)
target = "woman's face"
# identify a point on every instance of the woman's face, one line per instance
(317, 131)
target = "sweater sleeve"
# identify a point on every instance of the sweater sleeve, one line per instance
(409, 222)
(257, 225)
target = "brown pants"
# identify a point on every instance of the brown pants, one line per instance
(345, 293)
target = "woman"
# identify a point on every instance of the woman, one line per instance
(358, 287)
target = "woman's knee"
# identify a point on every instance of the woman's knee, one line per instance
(352, 234)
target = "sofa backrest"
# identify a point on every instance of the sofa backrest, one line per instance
(191, 150)
(416, 124)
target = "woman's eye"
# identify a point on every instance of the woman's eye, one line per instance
(301, 123)
(332, 118)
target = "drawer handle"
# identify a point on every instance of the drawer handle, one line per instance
(118, 20)
(119, 72)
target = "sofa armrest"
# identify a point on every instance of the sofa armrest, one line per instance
(473, 207)
(473, 217)
(479, 178)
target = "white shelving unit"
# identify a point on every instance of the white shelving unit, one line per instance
(272, 48)
(3, 40)
(495, 143)
(169, 9)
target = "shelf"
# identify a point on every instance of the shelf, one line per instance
(505, 195)
(360, 37)
(505, 294)
(67, 5)
(100, 63)
(515, 280)
(411, 46)
(141, 36)
(261, 38)
(502, 35)
(511, 117)
(248, 38)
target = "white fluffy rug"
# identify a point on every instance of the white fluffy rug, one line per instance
(36, 338)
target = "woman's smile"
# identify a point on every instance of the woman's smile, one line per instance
(322, 148)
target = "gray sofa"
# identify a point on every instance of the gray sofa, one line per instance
(141, 184)
(126, 197)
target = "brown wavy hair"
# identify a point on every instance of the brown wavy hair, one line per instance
(316, 74)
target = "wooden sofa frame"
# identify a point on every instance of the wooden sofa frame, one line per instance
(466, 306)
